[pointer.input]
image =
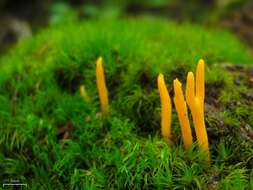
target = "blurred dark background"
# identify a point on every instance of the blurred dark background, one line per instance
(19, 19)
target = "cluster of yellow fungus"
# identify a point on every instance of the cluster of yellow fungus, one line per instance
(195, 95)
(195, 101)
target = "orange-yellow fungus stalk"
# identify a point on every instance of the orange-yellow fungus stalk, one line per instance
(195, 101)
(200, 81)
(200, 128)
(84, 94)
(190, 91)
(182, 113)
(101, 85)
(166, 108)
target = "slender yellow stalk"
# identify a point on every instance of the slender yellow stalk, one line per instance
(182, 113)
(166, 108)
(200, 81)
(101, 85)
(195, 101)
(200, 128)
(84, 94)
(190, 91)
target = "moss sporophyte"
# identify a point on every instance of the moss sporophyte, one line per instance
(195, 101)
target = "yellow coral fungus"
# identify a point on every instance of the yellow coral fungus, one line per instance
(84, 94)
(101, 85)
(166, 108)
(200, 81)
(195, 101)
(200, 128)
(181, 109)
(190, 92)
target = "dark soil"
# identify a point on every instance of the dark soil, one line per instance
(242, 76)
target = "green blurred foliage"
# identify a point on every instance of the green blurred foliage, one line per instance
(203, 11)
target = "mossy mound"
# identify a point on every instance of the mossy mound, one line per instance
(52, 139)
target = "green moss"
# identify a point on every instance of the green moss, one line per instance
(53, 139)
